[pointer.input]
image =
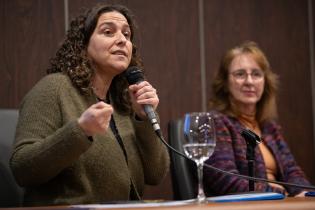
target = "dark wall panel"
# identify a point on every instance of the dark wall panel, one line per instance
(168, 41)
(31, 31)
(281, 29)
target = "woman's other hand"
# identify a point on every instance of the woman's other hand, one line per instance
(96, 118)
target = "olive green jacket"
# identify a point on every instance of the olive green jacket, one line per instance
(56, 162)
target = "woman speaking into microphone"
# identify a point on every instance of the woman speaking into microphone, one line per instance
(82, 135)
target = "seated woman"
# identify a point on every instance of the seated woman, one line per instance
(244, 96)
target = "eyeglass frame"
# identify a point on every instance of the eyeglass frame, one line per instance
(257, 77)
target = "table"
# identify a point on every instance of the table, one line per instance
(306, 203)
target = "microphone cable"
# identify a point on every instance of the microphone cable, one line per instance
(159, 134)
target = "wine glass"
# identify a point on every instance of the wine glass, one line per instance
(199, 143)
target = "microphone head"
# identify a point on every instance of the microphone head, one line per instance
(250, 137)
(134, 75)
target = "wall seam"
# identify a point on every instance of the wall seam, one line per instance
(312, 64)
(66, 13)
(202, 56)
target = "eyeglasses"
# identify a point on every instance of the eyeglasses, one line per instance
(241, 75)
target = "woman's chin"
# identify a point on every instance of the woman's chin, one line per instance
(121, 68)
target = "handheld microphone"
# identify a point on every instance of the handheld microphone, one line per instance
(134, 75)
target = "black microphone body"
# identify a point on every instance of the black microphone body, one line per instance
(134, 75)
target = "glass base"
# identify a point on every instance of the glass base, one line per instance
(201, 200)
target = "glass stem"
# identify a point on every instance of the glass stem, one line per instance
(201, 194)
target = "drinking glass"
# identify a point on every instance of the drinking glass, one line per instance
(199, 143)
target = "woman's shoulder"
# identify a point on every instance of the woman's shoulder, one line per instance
(216, 113)
(271, 126)
(220, 115)
(223, 119)
(55, 78)
(52, 82)
(49, 86)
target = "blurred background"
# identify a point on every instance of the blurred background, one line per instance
(181, 43)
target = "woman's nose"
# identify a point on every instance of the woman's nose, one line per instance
(120, 38)
(249, 78)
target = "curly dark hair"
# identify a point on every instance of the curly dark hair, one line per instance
(71, 57)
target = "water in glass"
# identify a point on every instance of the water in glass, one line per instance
(199, 143)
